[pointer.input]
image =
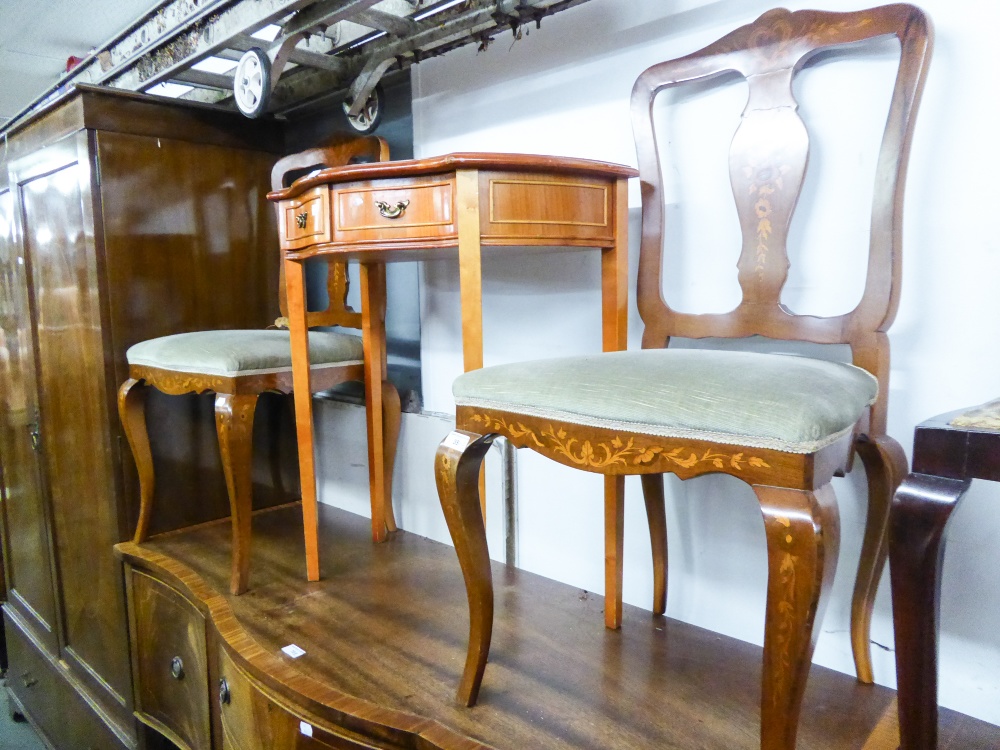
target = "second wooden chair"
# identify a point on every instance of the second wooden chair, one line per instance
(240, 365)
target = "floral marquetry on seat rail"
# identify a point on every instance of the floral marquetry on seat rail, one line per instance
(240, 365)
(783, 424)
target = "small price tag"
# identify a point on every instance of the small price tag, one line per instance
(306, 728)
(457, 441)
(293, 651)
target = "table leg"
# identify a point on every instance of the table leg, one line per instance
(614, 277)
(470, 275)
(614, 318)
(917, 520)
(373, 337)
(295, 294)
(470, 283)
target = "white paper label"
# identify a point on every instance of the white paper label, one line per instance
(457, 441)
(293, 651)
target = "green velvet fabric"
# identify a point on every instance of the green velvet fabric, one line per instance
(231, 353)
(782, 402)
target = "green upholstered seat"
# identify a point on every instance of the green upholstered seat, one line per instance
(232, 353)
(776, 401)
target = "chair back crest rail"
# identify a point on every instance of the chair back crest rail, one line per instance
(767, 164)
(341, 149)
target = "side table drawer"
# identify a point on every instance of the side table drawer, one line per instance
(305, 220)
(171, 670)
(413, 210)
(536, 209)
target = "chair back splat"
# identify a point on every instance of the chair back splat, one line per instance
(338, 150)
(767, 165)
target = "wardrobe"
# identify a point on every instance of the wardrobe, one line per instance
(122, 218)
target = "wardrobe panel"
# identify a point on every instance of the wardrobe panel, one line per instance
(75, 442)
(28, 570)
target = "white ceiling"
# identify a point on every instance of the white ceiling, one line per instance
(37, 37)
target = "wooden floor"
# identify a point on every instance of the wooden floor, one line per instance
(388, 624)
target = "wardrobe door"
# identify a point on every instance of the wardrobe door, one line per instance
(55, 193)
(25, 527)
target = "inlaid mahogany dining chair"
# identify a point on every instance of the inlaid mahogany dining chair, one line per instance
(239, 365)
(949, 451)
(783, 424)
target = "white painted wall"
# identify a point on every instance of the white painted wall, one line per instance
(564, 89)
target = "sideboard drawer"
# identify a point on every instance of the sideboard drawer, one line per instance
(252, 720)
(171, 671)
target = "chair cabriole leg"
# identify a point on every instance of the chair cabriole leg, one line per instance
(885, 466)
(802, 542)
(132, 412)
(917, 523)
(456, 469)
(656, 514)
(234, 424)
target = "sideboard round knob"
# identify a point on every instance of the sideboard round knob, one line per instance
(177, 668)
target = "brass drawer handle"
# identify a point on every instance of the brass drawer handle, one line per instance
(392, 212)
(301, 219)
(177, 668)
(224, 696)
(34, 432)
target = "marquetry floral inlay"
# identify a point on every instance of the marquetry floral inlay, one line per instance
(178, 383)
(616, 451)
(765, 181)
(514, 429)
(683, 456)
(786, 622)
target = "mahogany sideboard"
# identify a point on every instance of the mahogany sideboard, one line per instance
(122, 218)
(368, 657)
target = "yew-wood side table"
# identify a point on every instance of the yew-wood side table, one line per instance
(425, 209)
(949, 451)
